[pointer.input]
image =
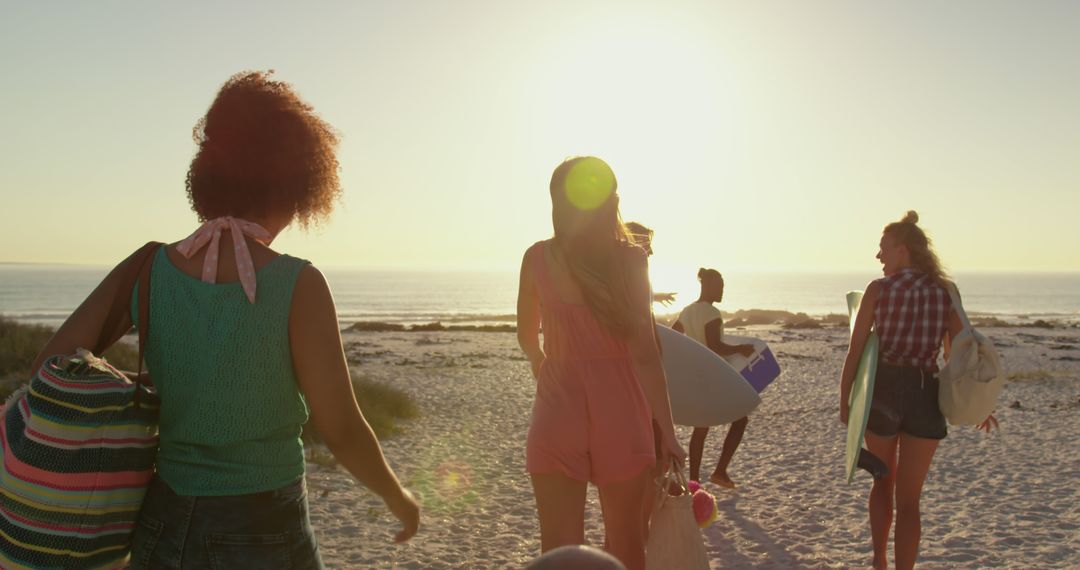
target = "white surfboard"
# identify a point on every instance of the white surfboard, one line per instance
(761, 368)
(703, 388)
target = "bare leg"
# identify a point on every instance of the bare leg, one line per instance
(649, 493)
(731, 443)
(560, 504)
(916, 453)
(697, 448)
(650, 489)
(881, 496)
(622, 519)
(648, 500)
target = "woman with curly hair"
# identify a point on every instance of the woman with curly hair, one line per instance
(244, 343)
(912, 313)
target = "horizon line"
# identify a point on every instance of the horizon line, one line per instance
(514, 268)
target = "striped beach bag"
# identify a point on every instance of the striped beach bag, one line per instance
(79, 442)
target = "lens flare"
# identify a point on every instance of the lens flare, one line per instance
(589, 183)
(446, 480)
(453, 479)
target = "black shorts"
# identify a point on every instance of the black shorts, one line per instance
(906, 400)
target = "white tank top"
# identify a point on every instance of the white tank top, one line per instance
(694, 318)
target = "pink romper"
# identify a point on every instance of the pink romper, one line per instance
(590, 419)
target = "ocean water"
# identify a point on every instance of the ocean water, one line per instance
(48, 293)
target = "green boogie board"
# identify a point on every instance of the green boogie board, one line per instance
(862, 391)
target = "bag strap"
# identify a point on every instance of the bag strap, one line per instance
(679, 477)
(674, 474)
(144, 315)
(954, 295)
(136, 270)
(144, 308)
(121, 303)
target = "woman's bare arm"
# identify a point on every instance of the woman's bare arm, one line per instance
(864, 320)
(528, 317)
(714, 339)
(82, 329)
(323, 374)
(644, 353)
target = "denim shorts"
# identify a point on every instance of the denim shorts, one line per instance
(267, 530)
(906, 400)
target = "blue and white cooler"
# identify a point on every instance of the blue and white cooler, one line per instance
(760, 369)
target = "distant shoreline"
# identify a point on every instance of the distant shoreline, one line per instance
(330, 267)
(741, 318)
(45, 294)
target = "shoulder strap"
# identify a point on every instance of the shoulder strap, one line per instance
(121, 303)
(144, 315)
(954, 295)
(144, 303)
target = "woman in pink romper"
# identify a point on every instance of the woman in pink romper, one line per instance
(599, 376)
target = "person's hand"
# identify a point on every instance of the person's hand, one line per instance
(845, 410)
(746, 350)
(407, 510)
(665, 299)
(989, 424)
(535, 364)
(143, 378)
(672, 450)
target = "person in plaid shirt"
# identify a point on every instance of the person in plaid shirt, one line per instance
(912, 313)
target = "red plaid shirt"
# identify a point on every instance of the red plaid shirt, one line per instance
(911, 318)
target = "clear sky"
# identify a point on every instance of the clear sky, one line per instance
(750, 135)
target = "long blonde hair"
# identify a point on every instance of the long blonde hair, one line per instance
(589, 233)
(907, 233)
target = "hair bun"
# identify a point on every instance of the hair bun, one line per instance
(912, 217)
(701, 272)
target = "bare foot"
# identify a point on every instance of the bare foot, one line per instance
(722, 480)
(880, 565)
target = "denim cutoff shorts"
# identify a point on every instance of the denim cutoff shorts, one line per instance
(905, 400)
(267, 530)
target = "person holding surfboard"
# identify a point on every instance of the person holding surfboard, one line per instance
(912, 315)
(599, 376)
(702, 321)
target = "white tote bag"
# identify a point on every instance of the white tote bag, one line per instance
(972, 379)
(675, 541)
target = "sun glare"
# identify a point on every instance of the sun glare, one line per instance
(589, 183)
(674, 278)
(651, 98)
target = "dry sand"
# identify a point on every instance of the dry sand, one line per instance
(1004, 500)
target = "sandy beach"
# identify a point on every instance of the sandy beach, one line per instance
(1005, 500)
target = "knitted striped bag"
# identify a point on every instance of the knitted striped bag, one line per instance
(77, 458)
(79, 442)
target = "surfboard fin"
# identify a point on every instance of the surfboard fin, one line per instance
(873, 464)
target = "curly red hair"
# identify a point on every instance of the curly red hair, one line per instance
(263, 152)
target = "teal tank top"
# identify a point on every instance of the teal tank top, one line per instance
(231, 409)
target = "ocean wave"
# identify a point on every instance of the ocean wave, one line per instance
(741, 317)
